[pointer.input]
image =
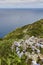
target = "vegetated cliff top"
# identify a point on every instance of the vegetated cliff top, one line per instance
(34, 29)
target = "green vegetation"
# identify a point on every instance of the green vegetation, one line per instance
(39, 61)
(29, 50)
(7, 57)
(34, 29)
(41, 50)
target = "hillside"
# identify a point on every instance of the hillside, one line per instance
(18, 48)
(34, 29)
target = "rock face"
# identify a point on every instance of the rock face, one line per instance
(30, 48)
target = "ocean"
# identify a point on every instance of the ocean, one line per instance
(10, 19)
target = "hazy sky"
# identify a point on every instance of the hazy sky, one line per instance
(21, 3)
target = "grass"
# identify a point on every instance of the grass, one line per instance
(7, 57)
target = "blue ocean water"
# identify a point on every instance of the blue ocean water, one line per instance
(13, 18)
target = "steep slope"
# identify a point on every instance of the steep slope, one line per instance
(34, 29)
(7, 57)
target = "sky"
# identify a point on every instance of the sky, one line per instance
(21, 3)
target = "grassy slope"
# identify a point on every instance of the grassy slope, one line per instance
(6, 54)
(35, 29)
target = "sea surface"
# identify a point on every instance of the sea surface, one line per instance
(10, 19)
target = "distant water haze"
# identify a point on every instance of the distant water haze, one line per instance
(10, 19)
